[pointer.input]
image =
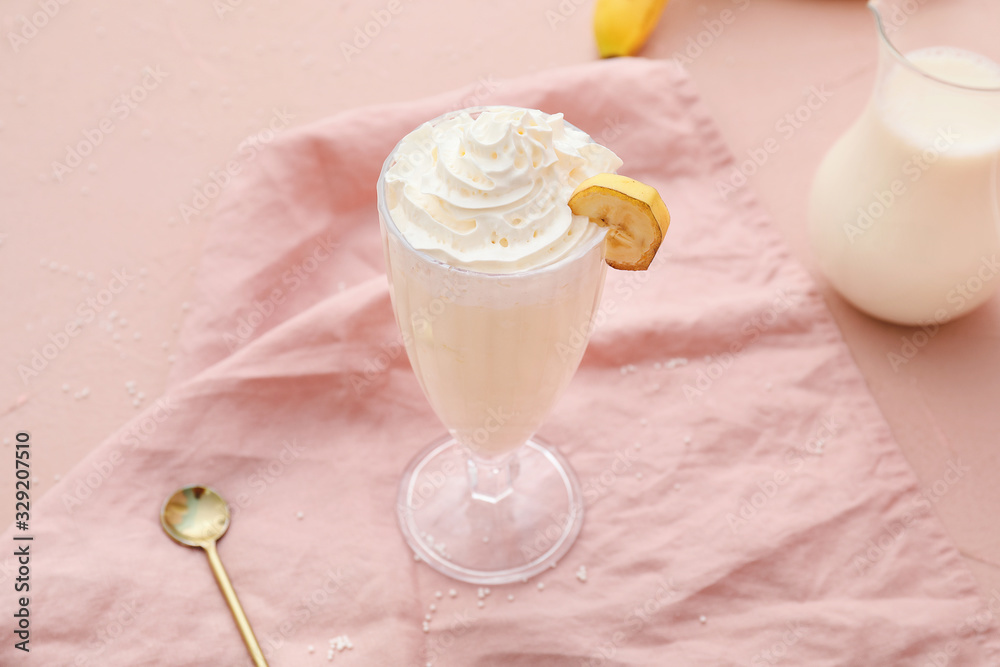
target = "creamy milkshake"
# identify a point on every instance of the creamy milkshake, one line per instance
(498, 226)
(515, 277)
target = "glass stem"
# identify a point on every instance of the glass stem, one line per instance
(491, 480)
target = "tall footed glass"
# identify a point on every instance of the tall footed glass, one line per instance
(904, 213)
(490, 503)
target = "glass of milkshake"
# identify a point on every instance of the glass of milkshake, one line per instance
(494, 284)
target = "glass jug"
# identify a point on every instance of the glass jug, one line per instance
(904, 213)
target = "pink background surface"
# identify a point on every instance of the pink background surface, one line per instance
(226, 76)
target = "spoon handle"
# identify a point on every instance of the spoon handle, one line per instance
(234, 605)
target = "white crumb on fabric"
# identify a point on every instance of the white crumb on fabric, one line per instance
(337, 644)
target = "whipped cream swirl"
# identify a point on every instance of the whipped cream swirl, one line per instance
(489, 193)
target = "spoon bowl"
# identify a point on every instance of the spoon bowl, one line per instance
(197, 516)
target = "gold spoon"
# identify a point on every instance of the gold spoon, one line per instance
(197, 516)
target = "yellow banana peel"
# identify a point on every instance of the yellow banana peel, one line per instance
(623, 26)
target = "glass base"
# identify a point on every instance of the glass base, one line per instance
(490, 540)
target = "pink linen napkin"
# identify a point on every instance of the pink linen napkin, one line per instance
(746, 504)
